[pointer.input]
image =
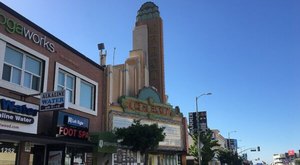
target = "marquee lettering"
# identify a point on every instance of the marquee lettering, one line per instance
(140, 106)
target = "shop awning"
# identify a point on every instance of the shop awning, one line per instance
(42, 139)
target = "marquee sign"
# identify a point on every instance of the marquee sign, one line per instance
(18, 116)
(130, 104)
(173, 131)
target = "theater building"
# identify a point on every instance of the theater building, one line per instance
(136, 90)
(38, 68)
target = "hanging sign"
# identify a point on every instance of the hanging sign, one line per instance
(54, 100)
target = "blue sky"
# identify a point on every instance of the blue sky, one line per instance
(246, 52)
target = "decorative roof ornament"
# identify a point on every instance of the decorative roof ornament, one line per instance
(147, 11)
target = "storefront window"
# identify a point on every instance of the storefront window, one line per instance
(8, 153)
(77, 156)
(124, 156)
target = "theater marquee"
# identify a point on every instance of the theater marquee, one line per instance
(173, 131)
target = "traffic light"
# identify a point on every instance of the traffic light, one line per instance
(258, 148)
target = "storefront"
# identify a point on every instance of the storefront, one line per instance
(20, 142)
(39, 150)
(68, 127)
(21, 117)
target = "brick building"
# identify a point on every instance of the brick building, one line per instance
(32, 61)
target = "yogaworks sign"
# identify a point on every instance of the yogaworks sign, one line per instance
(14, 27)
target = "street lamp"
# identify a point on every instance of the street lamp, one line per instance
(229, 141)
(198, 126)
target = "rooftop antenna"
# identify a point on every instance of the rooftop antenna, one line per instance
(114, 56)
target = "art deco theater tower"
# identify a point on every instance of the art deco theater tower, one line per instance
(148, 36)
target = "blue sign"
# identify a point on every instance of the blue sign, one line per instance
(11, 106)
(67, 119)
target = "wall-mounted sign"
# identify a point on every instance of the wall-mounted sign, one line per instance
(73, 126)
(18, 116)
(55, 100)
(72, 120)
(73, 132)
(6, 147)
(14, 27)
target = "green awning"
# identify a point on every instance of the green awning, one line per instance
(106, 142)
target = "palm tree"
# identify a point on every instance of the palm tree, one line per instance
(208, 150)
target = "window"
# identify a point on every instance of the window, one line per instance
(66, 81)
(87, 95)
(81, 91)
(22, 69)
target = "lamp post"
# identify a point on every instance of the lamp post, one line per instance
(198, 126)
(229, 141)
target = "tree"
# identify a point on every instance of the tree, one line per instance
(229, 157)
(141, 137)
(297, 161)
(208, 150)
(224, 156)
